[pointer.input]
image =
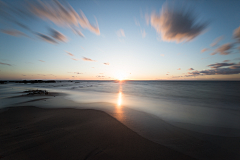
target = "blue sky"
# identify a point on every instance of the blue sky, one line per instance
(138, 40)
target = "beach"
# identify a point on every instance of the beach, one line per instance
(50, 125)
(35, 133)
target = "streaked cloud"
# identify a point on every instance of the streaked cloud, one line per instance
(162, 55)
(216, 41)
(179, 69)
(177, 76)
(69, 53)
(177, 25)
(226, 61)
(190, 69)
(62, 15)
(11, 14)
(235, 66)
(143, 33)
(14, 32)
(218, 71)
(77, 73)
(120, 33)
(5, 64)
(224, 49)
(54, 36)
(46, 38)
(74, 59)
(136, 22)
(87, 59)
(204, 50)
(106, 63)
(57, 35)
(236, 34)
(147, 18)
(77, 31)
(41, 61)
(218, 65)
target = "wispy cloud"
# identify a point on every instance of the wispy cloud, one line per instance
(226, 61)
(190, 69)
(179, 69)
(236, 34)
(41, 61)
(143, 33)
(87, 59)
(147, 18)
(54, 36)
(57, 35)
(162, 55)
(74, 59)
(235, 66)
(216, 41)
(224, 49)
(106, 63)
(69, 53)
(47, 38)
(5, 64)
(120, 33)
(14, 32)
(219, 71)
(62, 15)
(78, 73)
(177, 25)
(136, 22)
(218, 65)
(204, 50)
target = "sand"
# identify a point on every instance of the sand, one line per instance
(48, 127)
(29, 132)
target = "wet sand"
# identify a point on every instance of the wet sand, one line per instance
(37, 133)
(48, 127)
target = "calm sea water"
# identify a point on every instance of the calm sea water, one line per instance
(209, 103)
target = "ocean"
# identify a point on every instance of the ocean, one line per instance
(202, 103)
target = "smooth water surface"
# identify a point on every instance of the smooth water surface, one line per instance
(206, 103)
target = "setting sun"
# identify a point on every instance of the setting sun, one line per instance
(120, 75)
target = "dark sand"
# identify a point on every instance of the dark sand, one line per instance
(36, 133)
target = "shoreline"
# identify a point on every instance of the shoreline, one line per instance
(37, 133)
(152, 128)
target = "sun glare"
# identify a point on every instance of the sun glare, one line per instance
(120, 75)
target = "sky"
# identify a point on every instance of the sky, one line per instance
(120, 40)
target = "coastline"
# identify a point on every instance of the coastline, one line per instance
(37, 133)
(147, 126)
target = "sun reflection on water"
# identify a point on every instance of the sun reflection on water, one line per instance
(119, 99)
(119, 112)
